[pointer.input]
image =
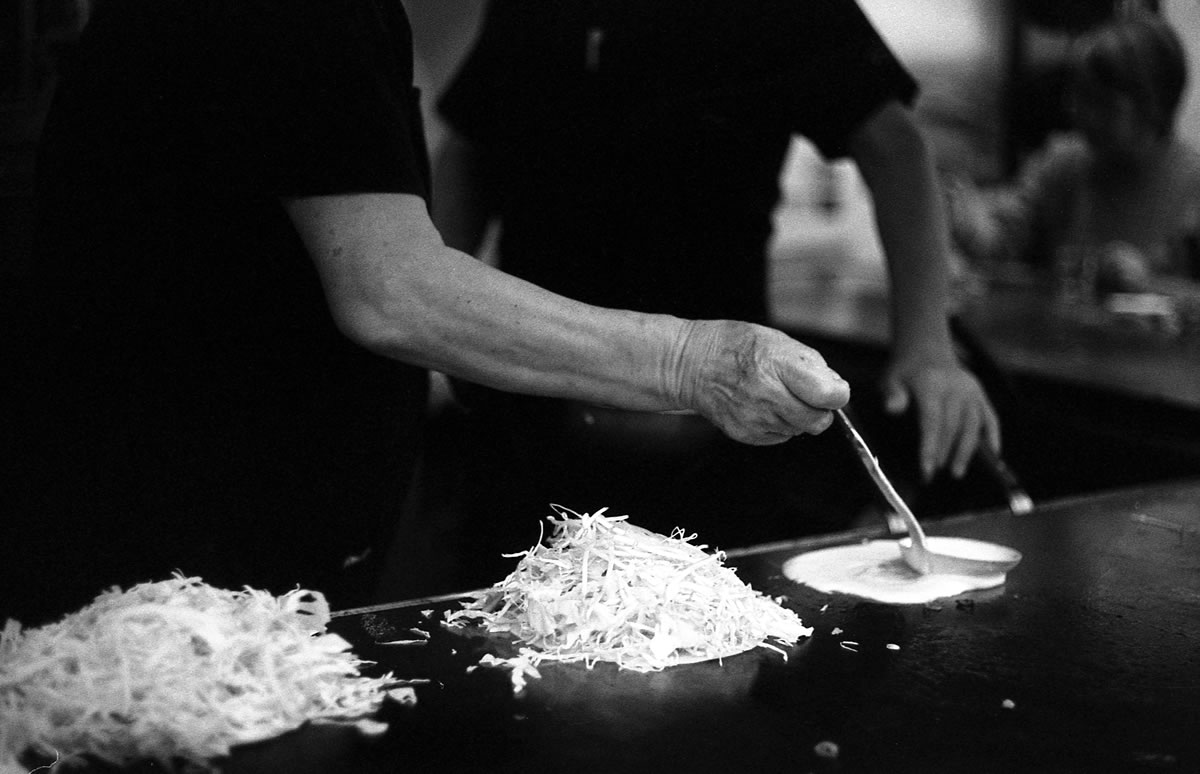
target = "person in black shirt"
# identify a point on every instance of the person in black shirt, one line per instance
(631, 154)
(236, 291)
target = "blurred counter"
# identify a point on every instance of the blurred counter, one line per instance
(1025, 329)
(1089, 398)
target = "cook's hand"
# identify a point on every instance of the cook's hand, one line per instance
(758, 385)
(953, 412)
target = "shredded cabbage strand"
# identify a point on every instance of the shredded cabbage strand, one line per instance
(176, 671)
(602, 589)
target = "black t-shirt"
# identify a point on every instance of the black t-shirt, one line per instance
(184, 399)
(637, 146)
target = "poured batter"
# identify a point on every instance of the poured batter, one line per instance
(875, 570)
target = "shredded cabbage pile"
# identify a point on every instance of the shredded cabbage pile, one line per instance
(601, 589)
(176, 671)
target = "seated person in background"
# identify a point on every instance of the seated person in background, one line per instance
(632, 153)
(1120, 192)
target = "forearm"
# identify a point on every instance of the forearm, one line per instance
(397, 290)
(464, 318)
(919, 272)
(953, 411)
(428, 304)
(912, 227)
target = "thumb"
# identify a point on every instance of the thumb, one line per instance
(895, 397)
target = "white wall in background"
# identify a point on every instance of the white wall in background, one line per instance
(1185, 15)
(443, 31)
(958, 51)
(935, 29)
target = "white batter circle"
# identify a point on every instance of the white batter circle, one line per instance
(875, 570)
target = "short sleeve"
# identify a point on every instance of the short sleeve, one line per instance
(310, 98)
(841, 70)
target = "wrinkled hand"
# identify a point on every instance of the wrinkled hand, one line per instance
(758, 385)
(953, 412)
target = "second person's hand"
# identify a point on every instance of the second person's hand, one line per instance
(954, 415)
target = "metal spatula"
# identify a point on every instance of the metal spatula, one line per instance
(944, 556)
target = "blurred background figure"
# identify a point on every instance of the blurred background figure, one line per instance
(1112, 204)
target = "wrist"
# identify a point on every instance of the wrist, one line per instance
(708, 352)
(683, 363)
(938, 352)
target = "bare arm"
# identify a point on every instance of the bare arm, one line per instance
(395, 288)
(954, 413)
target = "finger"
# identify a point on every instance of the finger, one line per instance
(772, 422)
(933, 437)
(970, 430)
(823, 390)
(810, 381)
(821, 423)
(780, 432)
(798, 418)
(754, 436)
(991, 424)
(826, 422)
(771, 439)
(953, 416)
